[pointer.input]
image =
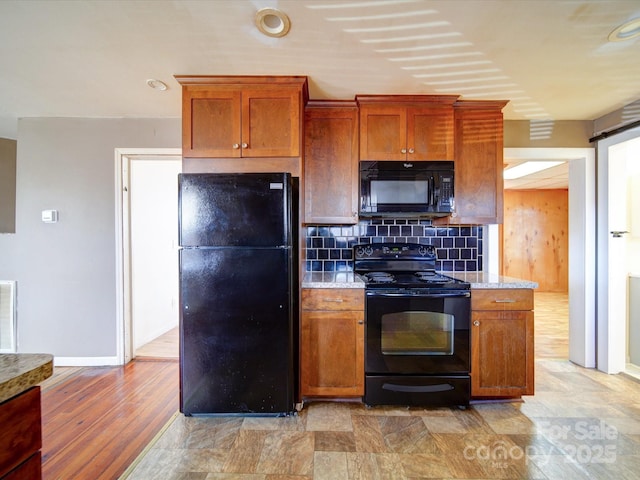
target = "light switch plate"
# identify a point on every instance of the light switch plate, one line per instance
(49, 216)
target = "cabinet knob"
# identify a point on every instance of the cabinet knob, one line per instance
(404, 150)
(411, 150)
(476, 323)
(244, 145)
(236, 146)
(360, 322)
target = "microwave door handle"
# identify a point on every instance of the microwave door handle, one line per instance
(432, 192)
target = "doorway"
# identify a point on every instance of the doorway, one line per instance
(147, 190)
(618, 247)
(582, 245)
(153, 208)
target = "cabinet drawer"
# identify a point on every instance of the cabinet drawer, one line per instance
(332, 299)
(502, 299)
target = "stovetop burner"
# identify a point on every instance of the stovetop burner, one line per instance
(380, 277)
(432, 277)
(402, 266)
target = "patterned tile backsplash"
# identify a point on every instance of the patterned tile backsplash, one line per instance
(329, 248)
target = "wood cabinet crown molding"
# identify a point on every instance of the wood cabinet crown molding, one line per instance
(321, 103)
(408, 100)
(240, 79)
(480, 104)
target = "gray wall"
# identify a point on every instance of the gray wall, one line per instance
(623, 116)
(7, 185)
(540, 134)
(66, 271)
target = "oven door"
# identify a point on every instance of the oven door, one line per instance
(417, 333)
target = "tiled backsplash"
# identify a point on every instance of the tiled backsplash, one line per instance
(459, 248)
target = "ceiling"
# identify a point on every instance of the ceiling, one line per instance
(550, 58)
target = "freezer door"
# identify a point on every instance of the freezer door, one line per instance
(250, 209)
(236, 336)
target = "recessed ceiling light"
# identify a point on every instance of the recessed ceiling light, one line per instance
(272, 22)
(527, 168)
(626, 31)
(157, 84)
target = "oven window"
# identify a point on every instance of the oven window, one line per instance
(417, 333)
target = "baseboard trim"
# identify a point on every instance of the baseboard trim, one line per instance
(85, 361)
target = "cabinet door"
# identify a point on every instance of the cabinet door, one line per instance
(478, 163)
(211, 122)
(332, 353)
(430, 133)
(331, 165)
(502, 353)
(21, 437)
(383, 133)
(271, 122)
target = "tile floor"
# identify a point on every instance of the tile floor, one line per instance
(580, 423)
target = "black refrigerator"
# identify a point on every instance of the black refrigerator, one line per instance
(238, 293)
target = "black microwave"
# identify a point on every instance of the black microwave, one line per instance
(402, 189)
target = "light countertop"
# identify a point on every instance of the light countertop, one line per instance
(491, 280)
(21, 371)
(331, 280)
(476, 279)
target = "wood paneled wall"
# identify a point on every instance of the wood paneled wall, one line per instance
(536, 237)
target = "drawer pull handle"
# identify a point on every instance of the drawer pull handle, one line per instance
(335, 300)
(505, 301)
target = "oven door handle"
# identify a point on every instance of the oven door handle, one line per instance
(422, 295)
(394, 387)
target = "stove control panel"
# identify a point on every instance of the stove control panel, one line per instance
(386, 251)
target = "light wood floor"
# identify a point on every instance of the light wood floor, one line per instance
(97, 420)
(580, 424)
(165, 346)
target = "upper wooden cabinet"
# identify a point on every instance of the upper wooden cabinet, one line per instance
(229, 117)
(478, 162)
(331, 162)
(406, 127)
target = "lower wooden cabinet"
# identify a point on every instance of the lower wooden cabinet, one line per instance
(502, 348)
(21, 438)
(332, 342)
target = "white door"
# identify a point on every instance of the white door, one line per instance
(616, 261)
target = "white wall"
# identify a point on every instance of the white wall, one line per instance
(154, 247)
(633, 202)
(66, 271)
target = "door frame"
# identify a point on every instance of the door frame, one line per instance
(124, 324)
